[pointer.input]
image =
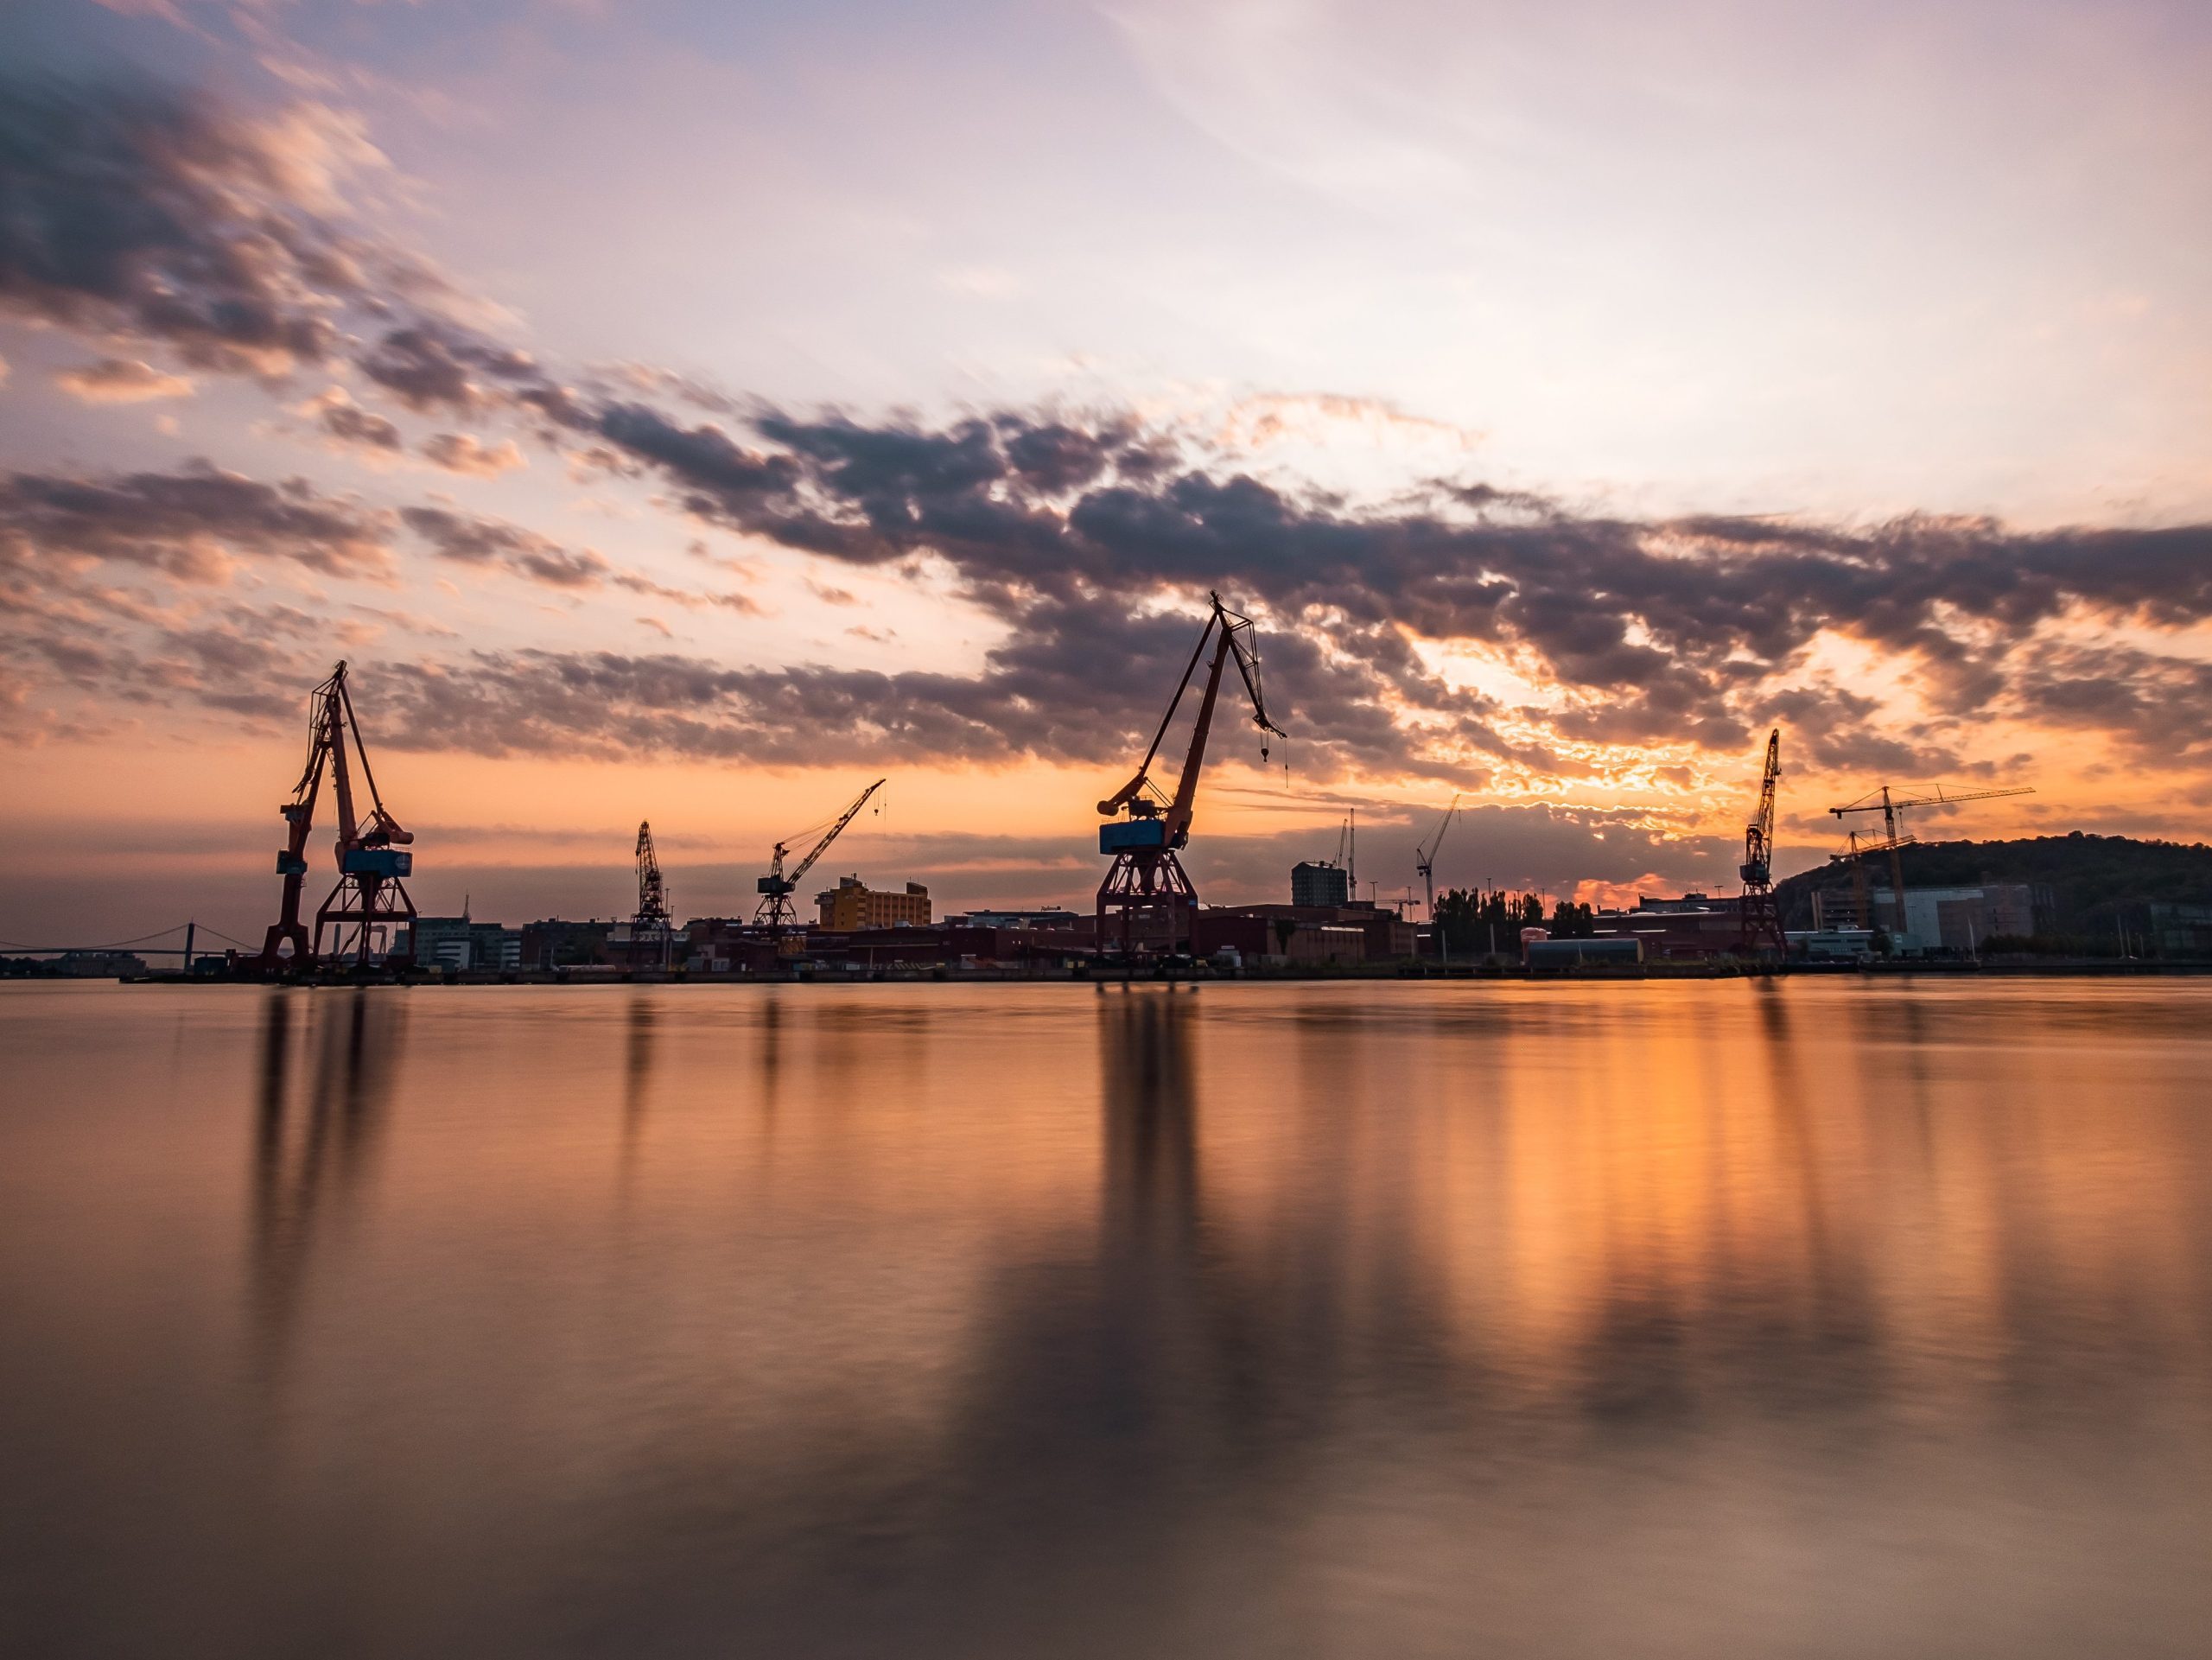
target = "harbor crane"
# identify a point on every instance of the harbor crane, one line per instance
(1145, 884)
(369, 901)
(651, 926)
(774, 911)
(1887, 801)
(1425, 857)
(1762, 921)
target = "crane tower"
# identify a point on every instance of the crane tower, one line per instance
(774, 911)
(1762, 922)
(1146, 885)
(650, 929)
(370, 903)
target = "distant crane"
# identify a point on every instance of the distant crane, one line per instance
(1144, 833)
(1885, 800)
(1857, 860)
(1762, 922)
(650, 925)
(369, 902)
(1425, 857)
(775, 911)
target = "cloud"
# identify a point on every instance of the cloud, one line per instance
(1652, 630)
(457, 452)
(1085, 684)
(610, 703)
(121, 380)
(690, 599)
(1089, 539)
(188, 523)
(472, 540)
(339, 416)
(141, 210)
(433, 365)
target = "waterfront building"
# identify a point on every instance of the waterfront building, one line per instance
(1548, 954)
(554, 944)
(1961, 919)
(853, 906)
(461, 943)
(1318, 883)
(1675, 930)
(1044, 916)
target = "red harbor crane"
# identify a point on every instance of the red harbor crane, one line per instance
(370, 903)
(1887, 801)
(1146, 885)
(650, 929)
(1761, 920)
(774, 911)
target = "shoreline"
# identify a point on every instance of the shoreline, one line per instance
(2091, 968)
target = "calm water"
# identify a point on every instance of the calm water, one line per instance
(1629, 1320)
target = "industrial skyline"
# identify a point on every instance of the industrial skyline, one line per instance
(437, 344)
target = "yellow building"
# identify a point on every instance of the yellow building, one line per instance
(852, 903)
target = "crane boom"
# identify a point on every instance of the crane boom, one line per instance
(1129, 791)
(1233, 639)
(1144, 833)
(1425, 857)
(831, 834)
(775, 887)
(1758, 835)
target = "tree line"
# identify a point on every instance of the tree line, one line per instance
(1470, 919)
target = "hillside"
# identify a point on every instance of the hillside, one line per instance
(2091, 876)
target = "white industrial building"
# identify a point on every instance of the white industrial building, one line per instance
(1958, 919)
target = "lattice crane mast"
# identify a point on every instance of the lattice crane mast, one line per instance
(1761, 920)
(1425, 857)
(369, 902)
(775, 911)
(1884, 799)
(651, 926)
(1144, 831)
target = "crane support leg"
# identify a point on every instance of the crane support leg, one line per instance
(1150, 896)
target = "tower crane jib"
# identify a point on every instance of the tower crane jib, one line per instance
(1886, 800)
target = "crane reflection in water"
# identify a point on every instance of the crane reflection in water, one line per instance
(313, 1139)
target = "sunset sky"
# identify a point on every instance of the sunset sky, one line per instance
(695, 411)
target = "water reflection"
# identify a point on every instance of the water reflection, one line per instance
(309, 1161)
(1322, 1321)
(636, 1077)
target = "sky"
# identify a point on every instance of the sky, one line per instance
(691, 411)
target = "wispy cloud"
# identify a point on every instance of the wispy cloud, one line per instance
(121, 380)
